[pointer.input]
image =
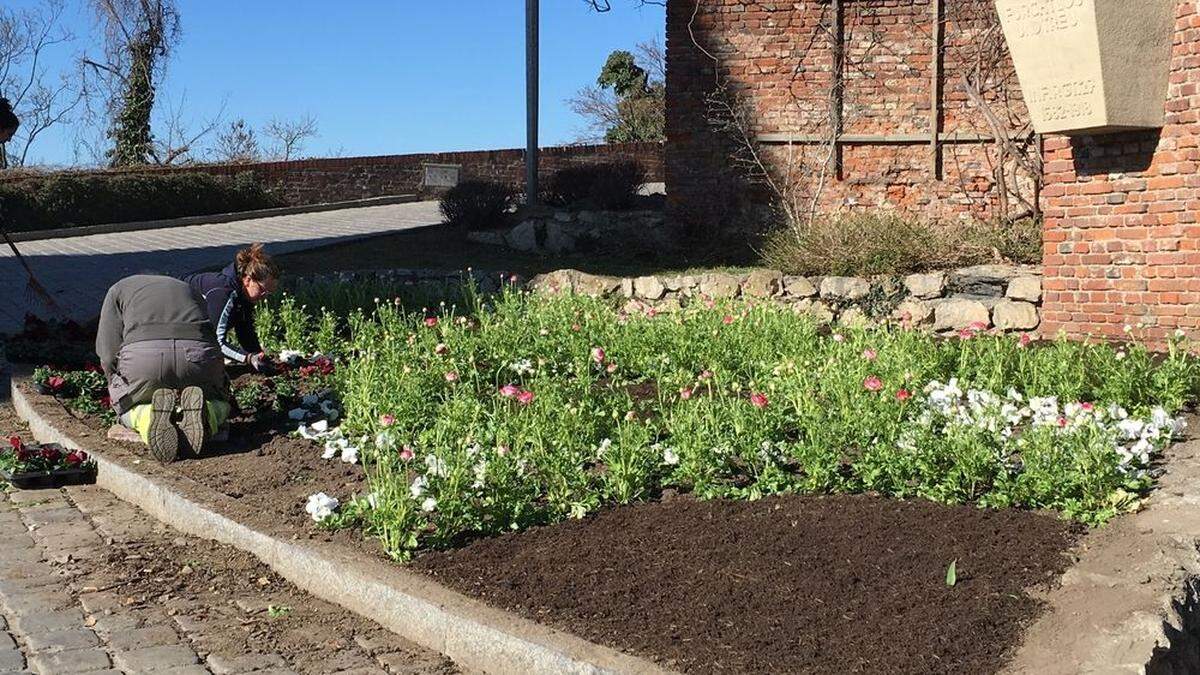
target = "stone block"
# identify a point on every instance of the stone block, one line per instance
(648, 287)
(913, 312)
(959, 313)
(762, 284)
(62, 640)
(798, 287)
(595, 285)
(558, 240)
(140, 638)
(719, 285)
(558, 281)
(1015, 315)
(154, 658)
(854, 317)
(523, 237)
(844, 288)
(926, 286)
(73, 661)
(1028, 289)
(985, 280)
(58, 620)
(11, 660)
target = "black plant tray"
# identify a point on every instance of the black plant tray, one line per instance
(41, 480)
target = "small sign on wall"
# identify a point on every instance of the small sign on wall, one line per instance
(442, 175)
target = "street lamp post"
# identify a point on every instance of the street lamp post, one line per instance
(531, 101)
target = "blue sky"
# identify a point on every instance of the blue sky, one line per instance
(380, 77)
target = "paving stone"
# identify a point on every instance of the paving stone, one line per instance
(30, 497)
(67, 528)
(228, 665)
(115, 623)
(36, 602)
(27, 584)
(7, 641)
(11, 660)
(45, 516)
(140, 638)
(74, 661)
(155, 658)
(61, 640)
(96, 603)
(20, 555)
(41, 623)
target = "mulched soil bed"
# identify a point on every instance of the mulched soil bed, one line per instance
(785, 584)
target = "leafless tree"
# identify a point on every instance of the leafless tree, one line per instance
(238, 144)
(606, 5)
(40, 99)
(289, 136)
(179, 141)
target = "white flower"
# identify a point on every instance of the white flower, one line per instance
(373, 500)
(429, 504)
(604, 446)
(384, 440)
(350, 454)
(320, 427)
(670, 457)
(320, 506)
(418, 487)
(1120, 356)
(435, 466)
(290, 356)
(521, 367)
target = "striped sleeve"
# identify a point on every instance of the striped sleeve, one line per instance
(223, 327)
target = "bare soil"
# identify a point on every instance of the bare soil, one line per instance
(785, 584)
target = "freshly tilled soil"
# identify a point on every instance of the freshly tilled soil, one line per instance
(785, 584)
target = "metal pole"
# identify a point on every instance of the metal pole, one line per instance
(531, 101)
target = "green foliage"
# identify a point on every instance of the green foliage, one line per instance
(623, 75)
(478, 204)
(736, 401)
(640, 104)
(67, 200)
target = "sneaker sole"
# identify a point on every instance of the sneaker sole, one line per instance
(163, 438)
(192, 423)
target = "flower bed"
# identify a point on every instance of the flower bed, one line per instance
(33, 466)
(529, 410)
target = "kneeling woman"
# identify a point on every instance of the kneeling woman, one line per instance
(165, 375)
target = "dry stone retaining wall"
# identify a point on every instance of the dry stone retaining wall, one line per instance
(560, 231)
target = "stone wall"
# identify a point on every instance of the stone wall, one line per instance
(1122, 235)
(335, 179)
(559, 231)
(775, 59)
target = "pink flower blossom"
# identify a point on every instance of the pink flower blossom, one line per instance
(431, 321)
(1025, 339)
(758, 400)
(598, 355)
(966, 334)
(502, 450)
(510, 390)
(1062, 421)
(440, 349)
(1087, 407)
(709, 303)
(611, 368)
(451, 376)
(575, 327)
(56, 382)
(406, 453)
(651, 312)
(706, 375)
(727, 319)
(978, 325)
(387, 420)
(872, 383)
(838, 337)
(685, 393)
(525, 397)
(903, 394)
(869, 354)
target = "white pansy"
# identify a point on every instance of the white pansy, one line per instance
(320, 506)
(521, 367)
(350, 454)
(670, 456)
(429, 504)
(418, 487)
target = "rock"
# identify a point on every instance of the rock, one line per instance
(558, 281)
(913, 312)
(815, 309)
(719, 285)
(854, 317)
(562, 216)
(1015, 315)
(523, 237)
(959, 313)
(627, 287)
(488, 237)
(926, 286)
(844, 288)
(798, 287)
(762, 284)
(558, 240)
(983, 279)
(1025, 288)
(595, 285)
(672, 283)
(648, 287)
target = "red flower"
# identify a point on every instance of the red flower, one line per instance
(758, 400)
(431, 321)
(727, 319)
(15, 442)
(93, 368)
(1025, 339)
(598, 355)
(24, 454)
(510, 391)
(56, 382)
(525, 397)
(872, 383)
(903, 395)
(76, 457)
(651, 312)
(50, 454)
(685, 393)
(106, 401)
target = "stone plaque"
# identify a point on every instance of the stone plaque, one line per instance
(442, 175)
(1091, 66)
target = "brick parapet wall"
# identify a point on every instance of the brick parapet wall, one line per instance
(1122, 239)
(775, 58)
(312, 181)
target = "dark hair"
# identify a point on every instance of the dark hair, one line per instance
(254, 262)
(8, 120)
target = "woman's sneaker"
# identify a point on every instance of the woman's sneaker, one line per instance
(192, 420)
(163, 437)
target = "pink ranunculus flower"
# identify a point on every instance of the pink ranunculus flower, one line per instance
(440, 349)
(1062, 421)
(525, 397)
(872, 383)
(727, 319)
(451, 376)
(598, 355)
(903, 394)
(838, 337)
(1087, 407)
(870, 354)
(431, 321)
(706, 375)
(685, 393)
(406, 453)
(387, 420)
(978, 325)
(611, 368)
(651, 312)
(966, 334)
(510, 391)
(758, 400)
(1025, 339)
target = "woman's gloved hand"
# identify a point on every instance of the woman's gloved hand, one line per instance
(261, 364)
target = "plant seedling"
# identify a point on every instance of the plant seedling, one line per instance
(278, 611)
(952, 573)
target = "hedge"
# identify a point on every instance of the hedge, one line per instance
(65, 200)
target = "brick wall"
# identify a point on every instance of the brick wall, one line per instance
(313, 181)
(775, 60)
(1122, 243)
